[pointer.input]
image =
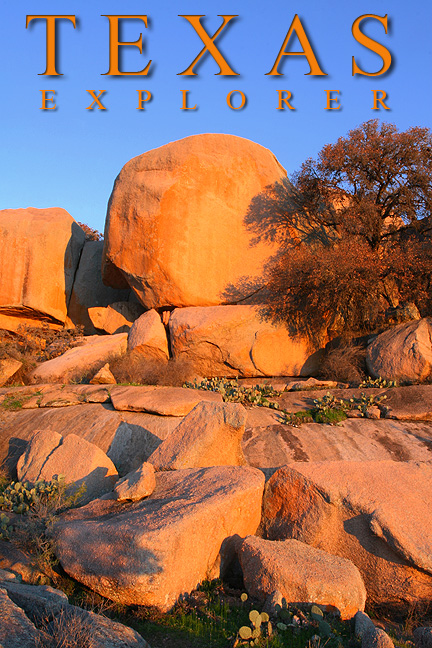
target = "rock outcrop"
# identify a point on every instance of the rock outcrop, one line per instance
(39, 615)
(82, 360)
(167, 401)
(183, 205)
(375, 513)
(301, 573)
(39, 254)
(235, 340)
(210, 435)
(16, 629)
(89, 290)
(8, 368)
(137, 484)
(148, 337)
(115, 318)
(403, 352)
(152, 551)
(79, 461)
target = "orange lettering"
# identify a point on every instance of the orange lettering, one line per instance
(50, 40)
(372, 45)
(297, 28)
(115, 44)
(224, 68)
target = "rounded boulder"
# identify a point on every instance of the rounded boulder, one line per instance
(175, 229)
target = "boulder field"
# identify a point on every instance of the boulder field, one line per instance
(352, 526)
(181, 486)
(188, 286)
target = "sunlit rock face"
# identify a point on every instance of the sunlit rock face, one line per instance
(175, 229)
(39, 254)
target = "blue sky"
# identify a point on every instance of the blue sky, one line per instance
(70, 157)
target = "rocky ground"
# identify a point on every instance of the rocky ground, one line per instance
(169, 502)
(182, 486)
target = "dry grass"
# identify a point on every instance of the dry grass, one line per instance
(344, 363)
(5, 477)
(33, 344)
(135, 369)
(65, 630)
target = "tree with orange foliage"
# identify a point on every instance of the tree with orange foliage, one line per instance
(354, 232)
(90, 233)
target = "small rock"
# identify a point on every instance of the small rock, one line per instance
(354, 414)
(274, 602)
(373, 412)
(6, 575)
(103, 376)
(370, 635)
(310, 383)
(115, 318)
(376, 638)
(16, 562)
(136, 485)
(423, 637)
(148, 337)
(362, 623)
(8, 367)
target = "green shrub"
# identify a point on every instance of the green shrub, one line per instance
(330, 410)
(330, 416)
(42, 498)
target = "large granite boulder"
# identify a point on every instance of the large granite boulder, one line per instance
(403, 352)
(39, 254)
(374, 513)
(82, 360)
(80, 462)
(89, 290)
(302, 574)
(152, 551)
(183, 206)
(235, 340)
